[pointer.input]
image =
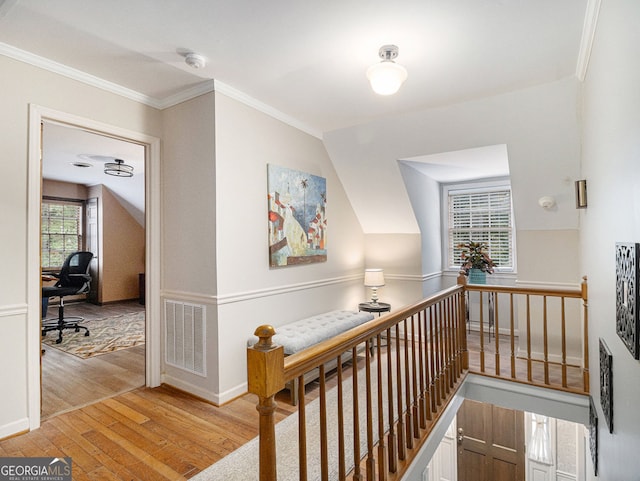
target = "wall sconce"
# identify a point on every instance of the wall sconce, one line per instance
(374, 278)
(581, 194)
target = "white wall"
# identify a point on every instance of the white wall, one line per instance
(249, 292)
(21, 85)
(189, 234)
(611, 147)
(539, 126)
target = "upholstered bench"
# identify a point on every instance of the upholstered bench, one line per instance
(304, 333)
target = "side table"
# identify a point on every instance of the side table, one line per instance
(378, 307)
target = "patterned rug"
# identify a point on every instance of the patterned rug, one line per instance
(106, 335)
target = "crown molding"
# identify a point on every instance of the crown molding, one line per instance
(160, 104)
(264, 108)
(186, 94)
(588, 34)
(75, 74)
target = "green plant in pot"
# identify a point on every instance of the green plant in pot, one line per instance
(476, 263)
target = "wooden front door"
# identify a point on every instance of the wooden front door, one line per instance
(490, 443)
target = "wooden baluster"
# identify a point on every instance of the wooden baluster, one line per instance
(513, 337)
(564, 343)
(462, 315)
(414, 381)
(427, 367)
(450, 347)
(357, 474)
(585, 340)
(529, 374)
(382, 447)
(393, 449)
(408, 411)
(496, 330)
(453, 303)
(370, 462)
(436, 339)
(401, 448)
(342, 470)
(481, 331)
(435, 392)
(324, 454)
(302, 430)
(422, 389)
(265, 375)
(545, 340)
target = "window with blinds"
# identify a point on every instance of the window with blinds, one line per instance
(61, 231)
(481, 216)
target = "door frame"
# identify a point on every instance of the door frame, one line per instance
(38, 114)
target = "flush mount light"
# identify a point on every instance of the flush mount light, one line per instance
(387, 76)
(118, 168)
(81, 164)
(195, 60)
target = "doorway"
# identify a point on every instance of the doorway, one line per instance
(38, 116)
(85, 209)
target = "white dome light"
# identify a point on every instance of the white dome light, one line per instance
(387, 76)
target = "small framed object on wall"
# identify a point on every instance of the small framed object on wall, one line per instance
(606, 383)
(627, 297)
(593, 434)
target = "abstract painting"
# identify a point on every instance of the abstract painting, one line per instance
(297, 217)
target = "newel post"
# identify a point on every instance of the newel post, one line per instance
(462, 281)
(585, 307)
(265, 375)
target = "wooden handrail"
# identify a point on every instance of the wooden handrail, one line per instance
(408, 381)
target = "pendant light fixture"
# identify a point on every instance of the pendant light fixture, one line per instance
(387, 76)
(118, 168)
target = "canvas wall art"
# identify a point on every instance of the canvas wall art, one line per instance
(297, 217)
(627, 294)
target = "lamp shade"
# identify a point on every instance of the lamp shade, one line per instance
(386, 77)
(373, 278)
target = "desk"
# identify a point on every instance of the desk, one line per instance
(378, 307)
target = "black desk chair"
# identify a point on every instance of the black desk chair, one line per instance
(73, 279)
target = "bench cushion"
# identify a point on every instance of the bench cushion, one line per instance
(299, 335)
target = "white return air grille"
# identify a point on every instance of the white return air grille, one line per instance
(185, 336)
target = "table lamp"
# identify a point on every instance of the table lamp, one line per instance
(374, 278)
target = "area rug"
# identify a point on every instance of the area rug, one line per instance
(106, 335)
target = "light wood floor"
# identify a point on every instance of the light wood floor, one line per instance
(69, 382)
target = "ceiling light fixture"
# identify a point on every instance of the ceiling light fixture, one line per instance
(118, 168)
(387, 76)
(195, 60)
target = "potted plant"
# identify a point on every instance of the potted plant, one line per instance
(476, 263)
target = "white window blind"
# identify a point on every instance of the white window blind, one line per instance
(61, 231)
(481, 216)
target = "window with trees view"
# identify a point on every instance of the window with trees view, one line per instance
(61, 231)
(481, 215)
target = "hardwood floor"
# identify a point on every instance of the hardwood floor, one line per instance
(69, 382)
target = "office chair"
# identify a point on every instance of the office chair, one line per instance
(73, 279)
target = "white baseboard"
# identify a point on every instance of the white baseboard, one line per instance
(19, 426)
(217, 399)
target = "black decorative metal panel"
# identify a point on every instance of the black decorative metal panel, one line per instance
(627, 296)
(593, 434)
(606, 383)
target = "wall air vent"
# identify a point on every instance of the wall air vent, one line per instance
(185, 336)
